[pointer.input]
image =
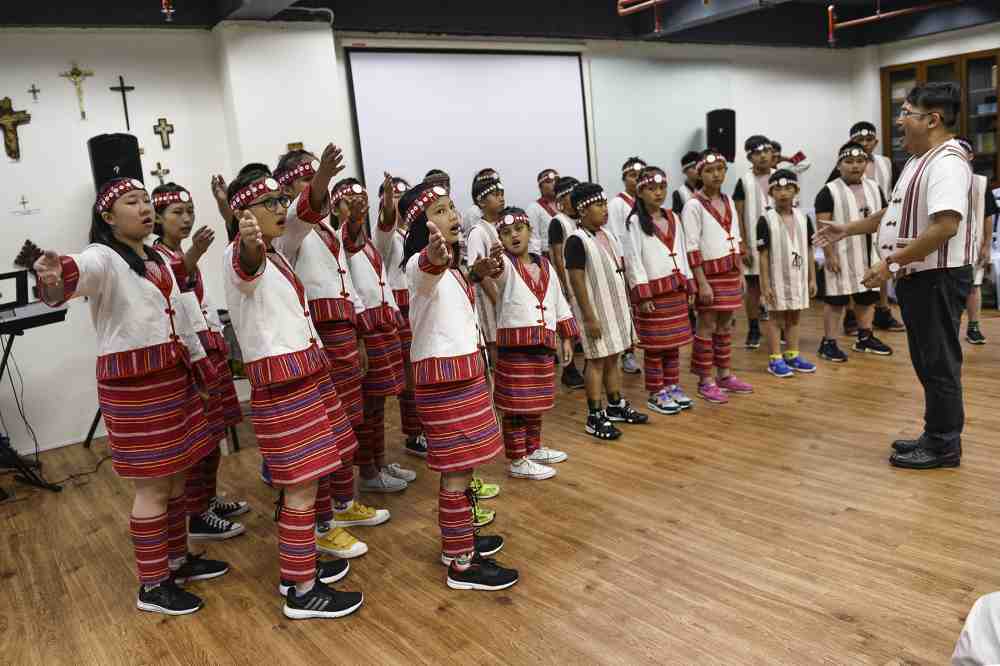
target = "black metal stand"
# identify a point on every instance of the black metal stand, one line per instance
(93, 429)
(234, 439)
(8, 456)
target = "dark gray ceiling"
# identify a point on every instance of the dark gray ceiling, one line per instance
(763, 22)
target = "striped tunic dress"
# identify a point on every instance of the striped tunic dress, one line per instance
(604, 276)
(977, 211)
(788, 259)
(755, 203)
(856, 254)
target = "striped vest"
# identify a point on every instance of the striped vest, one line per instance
(754, 206)
(606, 288)
(788, 260)
(856, 254)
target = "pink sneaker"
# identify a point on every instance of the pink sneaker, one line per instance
(732, 385)
(711, 392)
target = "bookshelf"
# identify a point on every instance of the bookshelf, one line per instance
(977, 75)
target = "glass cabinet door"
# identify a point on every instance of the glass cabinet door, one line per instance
(901, 82)
(946, 72)
(981, 113)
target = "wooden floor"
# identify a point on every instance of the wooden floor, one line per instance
(768, 531)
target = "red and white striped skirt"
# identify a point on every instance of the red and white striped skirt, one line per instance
(156, 423)
(340, 342)
(385, 364)
(294, 430)
(727, 289)
(404, 330)
(224, 406)
(525, 380)
(668, 326)
(459, 423)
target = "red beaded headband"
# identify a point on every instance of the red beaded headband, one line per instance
(591, 200)
(652, 178)
(114, 190)
(863, 133)
(242, 199)
(710, 158)
(302, 170)
(340, 192)
(852, 152)
(422, 202)
(634, 166)
(511, 219)
(493, 187)
(161, 199)
(548, 174)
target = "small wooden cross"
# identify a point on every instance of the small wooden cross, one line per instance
(9, 121)
(164, 129)
(24, 202)
(76, 77)
(124, 90)
(34, 90)
(160, 172)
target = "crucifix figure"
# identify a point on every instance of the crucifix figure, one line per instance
(34, 90)
(164, 129)
(9, 121)
(160, 172)
(76, 77)
(124, 90)
(24, 202)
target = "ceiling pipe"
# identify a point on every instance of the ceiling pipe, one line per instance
(879, 15)
(328, 13)
(629, 7)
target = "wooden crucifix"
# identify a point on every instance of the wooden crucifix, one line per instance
(164, 129)
(124, 90)
(76, 77)
(160, 172)
(9, 121)
(34, 90)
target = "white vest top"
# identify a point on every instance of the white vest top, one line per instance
(856, 254)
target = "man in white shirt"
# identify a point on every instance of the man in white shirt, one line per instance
(924, 240)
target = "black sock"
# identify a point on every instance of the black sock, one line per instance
(973, 325)
(754, 325)
(594, 406)
(614, 398)
(864, 333)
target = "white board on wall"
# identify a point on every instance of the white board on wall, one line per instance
(462, 112)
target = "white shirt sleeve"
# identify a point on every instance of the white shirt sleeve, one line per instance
(539, 228)
(948, 181)
(477, 245)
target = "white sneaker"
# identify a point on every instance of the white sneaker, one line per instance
(382, 483)
(546, 456)
(393, 469)
(630, 365)
(526, 469)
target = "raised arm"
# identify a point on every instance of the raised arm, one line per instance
(64, 277)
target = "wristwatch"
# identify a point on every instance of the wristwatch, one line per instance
(894, 268)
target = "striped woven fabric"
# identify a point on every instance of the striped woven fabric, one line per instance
(385, 364)
(223, 406)
(402, 297)
(156, 423)
(149, 538)
(286, 367)
(727, 289)
(461, 428)
(525, 381)
(293, 430)
(297, 543)
(343, 433)
(340, 342)
(668, 325)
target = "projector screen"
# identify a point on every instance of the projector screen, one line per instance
(462, 112)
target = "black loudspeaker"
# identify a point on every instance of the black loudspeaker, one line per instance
(721, 132)
(114, 156)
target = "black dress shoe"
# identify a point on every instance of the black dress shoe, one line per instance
(905, 445)
(921, 458)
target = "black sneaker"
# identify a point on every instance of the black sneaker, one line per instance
(829, 351)
(753, 338)
(417, 446)
(886, 322)
(327, 571)
(227, 510)
(571, 377)
(198, 568)
(850, 322)
(600, 427)
(321, 601)
(168, 599)
(485, 545)
(483, 574)
(624, 413)
(974, 336)
(210, 526)
(872, 345)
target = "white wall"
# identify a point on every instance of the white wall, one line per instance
(175, 77)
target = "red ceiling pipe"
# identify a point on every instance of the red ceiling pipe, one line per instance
(877, 16)
(627, 7)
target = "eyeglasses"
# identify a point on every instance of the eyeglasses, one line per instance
(274, 204)
(907, 113)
